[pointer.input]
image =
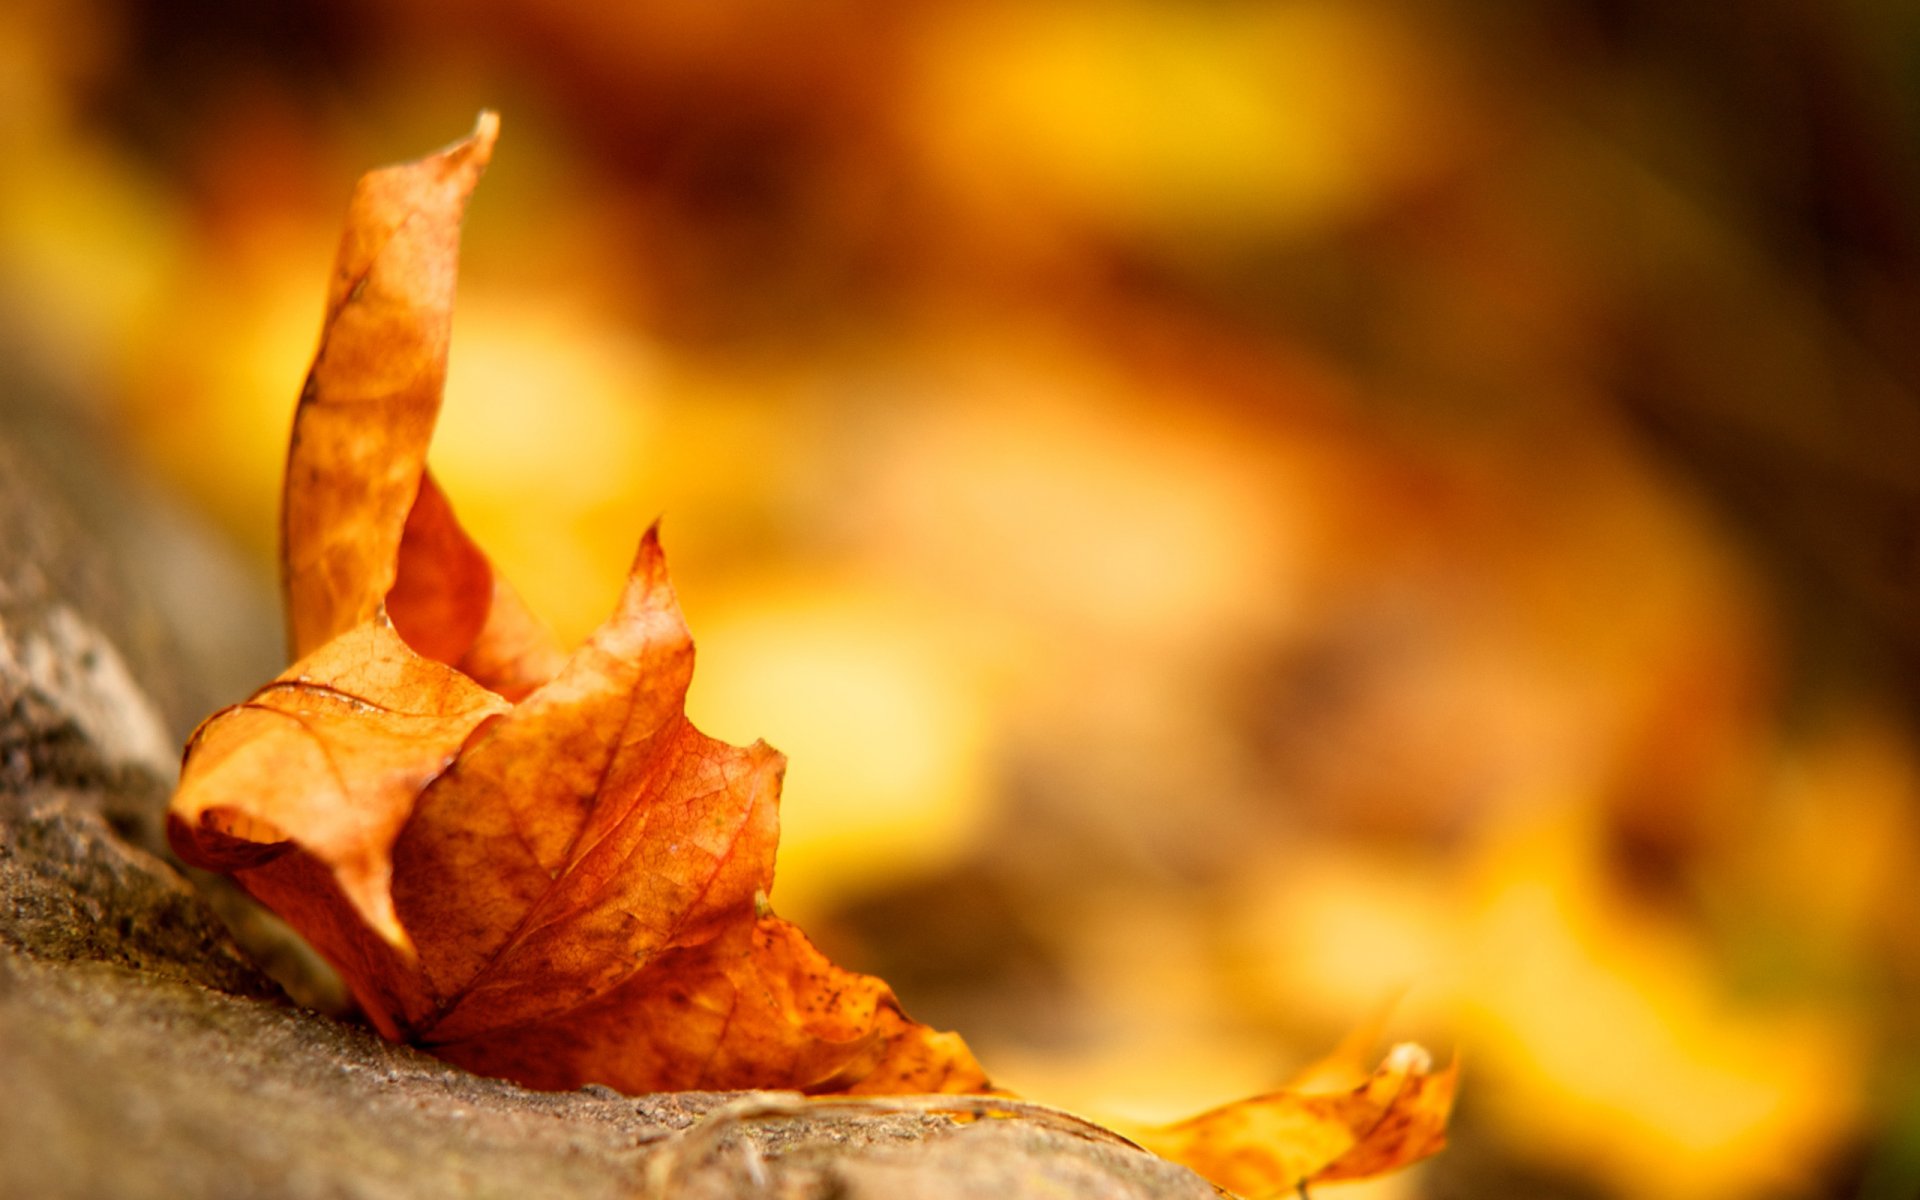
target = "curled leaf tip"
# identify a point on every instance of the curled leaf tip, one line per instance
(1409, 1058)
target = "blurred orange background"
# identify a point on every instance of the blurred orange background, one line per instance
(1237, 512)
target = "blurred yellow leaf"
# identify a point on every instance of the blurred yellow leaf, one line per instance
(1272, 1144)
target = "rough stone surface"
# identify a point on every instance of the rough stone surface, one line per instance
(148, 1086)
(143, 1054)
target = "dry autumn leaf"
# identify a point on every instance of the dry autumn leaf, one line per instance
(528, 861)
(1273, 1143)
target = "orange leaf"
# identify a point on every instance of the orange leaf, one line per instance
(1269, 1145)
(529, 861)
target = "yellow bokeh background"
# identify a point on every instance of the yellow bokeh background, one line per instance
(1235, 511)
